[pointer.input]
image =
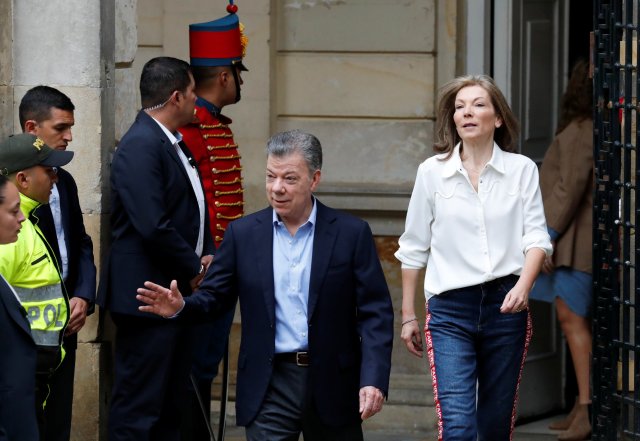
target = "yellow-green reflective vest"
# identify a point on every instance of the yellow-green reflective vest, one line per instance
(30, 268)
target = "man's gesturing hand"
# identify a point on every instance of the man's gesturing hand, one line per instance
(160, 300)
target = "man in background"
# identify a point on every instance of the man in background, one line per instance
(48, 113)
(159, 230)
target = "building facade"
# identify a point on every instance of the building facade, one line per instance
(361, 75)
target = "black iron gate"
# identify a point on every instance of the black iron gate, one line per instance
(616, 320)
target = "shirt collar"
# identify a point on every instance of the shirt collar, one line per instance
(212, 108)
(173, 137)
(454, 164)
(312, 215)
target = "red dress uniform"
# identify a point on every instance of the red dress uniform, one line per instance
(211, 142)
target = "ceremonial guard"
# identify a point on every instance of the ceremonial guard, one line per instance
(218, 44)
(217, 49)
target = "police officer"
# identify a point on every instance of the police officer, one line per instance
(29, 265)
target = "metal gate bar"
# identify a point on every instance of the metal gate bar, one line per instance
(616, 320)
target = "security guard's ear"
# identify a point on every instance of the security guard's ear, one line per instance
(30, 126)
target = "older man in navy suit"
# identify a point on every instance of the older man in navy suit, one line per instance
(317, 320)
(160, 231)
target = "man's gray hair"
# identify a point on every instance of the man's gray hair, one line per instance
(286, 143)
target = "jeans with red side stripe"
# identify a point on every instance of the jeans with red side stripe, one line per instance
(476, 354)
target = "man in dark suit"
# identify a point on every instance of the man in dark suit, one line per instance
(48, 113)
(18, 361)
(160, 231)
(317, 320)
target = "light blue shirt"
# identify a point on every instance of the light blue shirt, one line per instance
(291, 271)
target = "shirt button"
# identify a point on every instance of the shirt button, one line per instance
(304, 334)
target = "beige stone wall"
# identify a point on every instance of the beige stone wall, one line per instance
(6, 68)
(360, 76)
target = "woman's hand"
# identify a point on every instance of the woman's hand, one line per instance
(516, 300)
(412, 337)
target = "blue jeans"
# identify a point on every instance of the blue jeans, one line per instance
(473, 347)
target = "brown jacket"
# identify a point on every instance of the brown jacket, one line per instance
(566, 182)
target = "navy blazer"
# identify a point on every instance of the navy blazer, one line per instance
(155, 219)
(17, 371)
(350, 316)
(81, 272)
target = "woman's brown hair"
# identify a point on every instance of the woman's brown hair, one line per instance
(446, 135)
(577, 101)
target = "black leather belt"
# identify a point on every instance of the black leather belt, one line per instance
(298, 358)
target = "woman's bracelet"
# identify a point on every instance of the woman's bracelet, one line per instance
(415, 319)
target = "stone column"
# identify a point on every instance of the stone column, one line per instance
(6, 67)
(69, 44)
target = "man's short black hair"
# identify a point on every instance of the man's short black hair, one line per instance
(161, 76)
(37, 103)
(202, 74)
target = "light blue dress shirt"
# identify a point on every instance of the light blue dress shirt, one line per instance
(291, 271)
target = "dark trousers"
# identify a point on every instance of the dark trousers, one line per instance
(57, 412)
(288, 411)
(472, 346)
(209, 345)
(152, 362)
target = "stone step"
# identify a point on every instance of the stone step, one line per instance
(410, 390)
(403, 417)
(409, 407)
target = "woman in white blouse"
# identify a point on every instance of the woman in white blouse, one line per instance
(476, 223)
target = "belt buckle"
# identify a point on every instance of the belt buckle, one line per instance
(299, 356)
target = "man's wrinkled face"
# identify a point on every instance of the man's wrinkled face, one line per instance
(289, 186)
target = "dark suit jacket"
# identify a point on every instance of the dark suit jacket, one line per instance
(154, 219)
(81, 272)
(350, 315)
(17, 371)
